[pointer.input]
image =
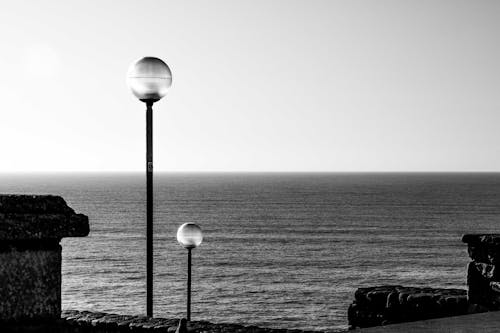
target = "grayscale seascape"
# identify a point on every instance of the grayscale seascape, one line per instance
(280, 250)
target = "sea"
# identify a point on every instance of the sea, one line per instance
(281, 250)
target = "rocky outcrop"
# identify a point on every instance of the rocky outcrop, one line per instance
(483, 272)
(384, 305)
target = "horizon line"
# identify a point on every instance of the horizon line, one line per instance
(244, 171)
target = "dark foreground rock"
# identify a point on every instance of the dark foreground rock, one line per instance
(85, 321)
(384, 305)
(483, 272)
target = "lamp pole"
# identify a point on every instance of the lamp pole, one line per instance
(188, 305)
(149, 79)
(149, 208)
(190, 236)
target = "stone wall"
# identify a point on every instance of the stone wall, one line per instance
(98, 322)
(385, 305)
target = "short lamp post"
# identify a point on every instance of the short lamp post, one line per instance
(149, 79)
(190, 236)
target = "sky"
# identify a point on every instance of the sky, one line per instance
(261, 85)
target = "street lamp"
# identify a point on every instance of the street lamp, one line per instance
(190, 236)
(149, 79)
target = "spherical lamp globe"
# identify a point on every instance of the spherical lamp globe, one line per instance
(149, 79)
(189, 235)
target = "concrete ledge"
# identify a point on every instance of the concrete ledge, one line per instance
(489, 239)
(480, 322)
(39, 217)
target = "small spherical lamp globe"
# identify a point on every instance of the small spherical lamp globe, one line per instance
(189, 235)
(149, 79)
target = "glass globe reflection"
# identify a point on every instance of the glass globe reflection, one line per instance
(149, 78)
(189, 235)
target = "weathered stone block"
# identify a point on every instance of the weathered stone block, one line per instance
(31, 227)
(31, 284)
(482, 285)
(483, 247)
(482, 239)
(483, 274)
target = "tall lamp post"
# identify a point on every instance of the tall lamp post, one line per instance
(149, 79)
(190, 236)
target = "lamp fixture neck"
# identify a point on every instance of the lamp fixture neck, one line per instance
(149, 102)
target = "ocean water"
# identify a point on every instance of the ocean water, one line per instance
(280, 250)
